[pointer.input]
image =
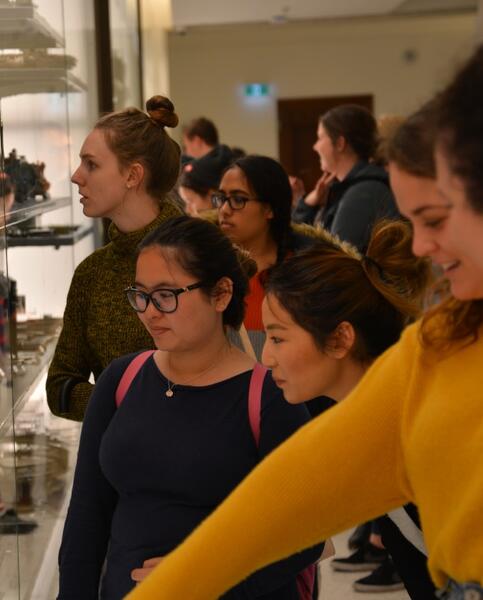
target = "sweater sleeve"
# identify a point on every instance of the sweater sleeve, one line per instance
(68, 387)
(319, 482)
(360, 207)
(279, 420)
(88, 521)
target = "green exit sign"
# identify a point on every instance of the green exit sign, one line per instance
(257, 90)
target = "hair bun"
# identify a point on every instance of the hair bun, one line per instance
(161, 111)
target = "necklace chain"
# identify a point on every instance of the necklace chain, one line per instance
(171, 385)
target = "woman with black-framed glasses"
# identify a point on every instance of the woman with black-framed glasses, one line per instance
(254, 211)
(157, 461)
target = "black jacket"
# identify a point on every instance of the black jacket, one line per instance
(354, 205)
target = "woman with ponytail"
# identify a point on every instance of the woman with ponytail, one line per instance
(128, 165)
(421, 400)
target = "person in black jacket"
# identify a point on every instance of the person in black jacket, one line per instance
(356, 194)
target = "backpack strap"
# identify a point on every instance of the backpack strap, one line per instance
(130, 373)
(255, 399)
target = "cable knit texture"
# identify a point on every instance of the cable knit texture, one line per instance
(99, 325)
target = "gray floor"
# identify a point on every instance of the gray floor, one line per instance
(338, 586)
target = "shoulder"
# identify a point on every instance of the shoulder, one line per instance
(92, 262)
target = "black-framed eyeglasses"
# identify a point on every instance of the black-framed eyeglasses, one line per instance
(164, 299)
(235, 201)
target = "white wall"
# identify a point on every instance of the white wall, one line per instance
(208, 67)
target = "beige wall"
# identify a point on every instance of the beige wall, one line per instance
(208, 67)
(155, 19)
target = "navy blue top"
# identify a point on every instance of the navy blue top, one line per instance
(150, 471)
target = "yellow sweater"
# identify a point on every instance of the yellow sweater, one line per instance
(412, 430)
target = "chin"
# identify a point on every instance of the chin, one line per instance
(467, 294)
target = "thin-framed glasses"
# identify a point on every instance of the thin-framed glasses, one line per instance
(164, 299)
(235, 201)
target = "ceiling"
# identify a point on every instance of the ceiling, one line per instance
(188, 13)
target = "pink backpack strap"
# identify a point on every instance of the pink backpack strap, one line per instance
(130, 373)
(255, 399)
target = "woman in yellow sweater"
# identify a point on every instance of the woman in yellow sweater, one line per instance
(422, 399)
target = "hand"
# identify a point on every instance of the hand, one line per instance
(147, 568)
(298, 188)
(318, 196)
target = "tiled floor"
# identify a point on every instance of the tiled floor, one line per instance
(338, 586)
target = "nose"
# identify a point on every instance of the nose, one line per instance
(423, 244)
(225, 208)
(76, 176)
(267, 358)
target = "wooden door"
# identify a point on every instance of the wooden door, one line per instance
(297, 126)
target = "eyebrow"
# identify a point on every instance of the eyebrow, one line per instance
(273, 326)
(235, 192)
(86, 155)
(161, 285)
(421, 209)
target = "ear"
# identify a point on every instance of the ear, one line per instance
(134, 175)
(223, 294)
(267, 211)
(341, 341)
(340, 144)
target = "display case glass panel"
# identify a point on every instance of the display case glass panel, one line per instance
(48, 102)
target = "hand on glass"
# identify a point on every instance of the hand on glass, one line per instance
(148, 566)
(318, 196)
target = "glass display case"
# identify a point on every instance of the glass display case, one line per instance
(48, 102)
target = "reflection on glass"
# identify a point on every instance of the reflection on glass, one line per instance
(125, 60)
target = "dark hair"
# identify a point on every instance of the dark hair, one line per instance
(270, 184)
(192, 181)
(202, 128)
(204, 173)
(378, 294)
(203, 251)
(356, 125)
(411, 147)
(133, 135)
(460, 127)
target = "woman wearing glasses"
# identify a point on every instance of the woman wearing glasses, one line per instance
(149, 471)
(128, 165)
(254, 211)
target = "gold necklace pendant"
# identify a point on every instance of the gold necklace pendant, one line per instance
(169, 392)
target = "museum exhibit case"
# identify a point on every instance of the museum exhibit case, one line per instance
(48, 103)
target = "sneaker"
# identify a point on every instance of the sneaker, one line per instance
(365, 559)
(11, 524)
(384, 579)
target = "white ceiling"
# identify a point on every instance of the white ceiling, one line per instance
(187, 13)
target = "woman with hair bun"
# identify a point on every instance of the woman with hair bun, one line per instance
(422, 399)
(128, 165)
(155, 460)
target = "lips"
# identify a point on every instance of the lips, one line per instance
(225, 224)
(449, 266)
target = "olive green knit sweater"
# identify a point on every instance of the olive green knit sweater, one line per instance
(99, 325)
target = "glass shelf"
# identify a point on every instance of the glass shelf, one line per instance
(34, 209)
(38, 80)
(22, 27)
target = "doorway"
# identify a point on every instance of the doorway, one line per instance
(297, 126)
